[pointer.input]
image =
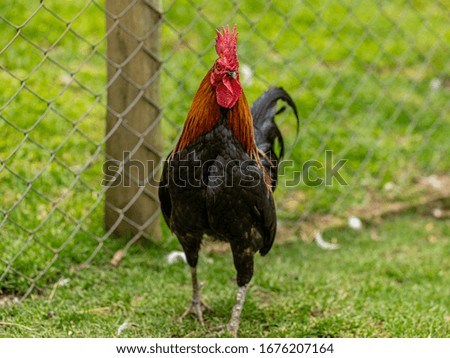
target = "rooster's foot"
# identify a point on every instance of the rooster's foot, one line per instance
(225, 329)
(197, 307)
(233, 328)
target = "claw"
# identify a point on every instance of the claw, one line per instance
(222, 329)
(197, 307)
(233, 329)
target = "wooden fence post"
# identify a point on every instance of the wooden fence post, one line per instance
(134, 143)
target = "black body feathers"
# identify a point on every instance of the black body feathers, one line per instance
(214, 187)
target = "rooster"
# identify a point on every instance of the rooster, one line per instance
(219, 179)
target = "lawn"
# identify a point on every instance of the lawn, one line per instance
(389, 280)
(372, 85)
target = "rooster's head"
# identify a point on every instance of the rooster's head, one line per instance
(224, 74)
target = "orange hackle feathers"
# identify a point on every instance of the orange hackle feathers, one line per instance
(202, 117)
(241, 123)
(205, 114)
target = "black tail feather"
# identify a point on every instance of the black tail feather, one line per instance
(267, 132)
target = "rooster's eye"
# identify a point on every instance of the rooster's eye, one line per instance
(218, 67)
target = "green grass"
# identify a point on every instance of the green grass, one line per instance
(52, 131)
(394, 285)
(360, 74)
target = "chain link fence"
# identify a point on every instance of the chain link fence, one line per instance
(371, 81)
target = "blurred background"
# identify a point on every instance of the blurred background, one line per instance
(371, 81)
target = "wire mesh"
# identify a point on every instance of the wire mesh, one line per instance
(371, 81)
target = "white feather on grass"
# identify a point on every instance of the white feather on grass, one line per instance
(355, 223)
(323, 244)
(175, 256)
(123, 326)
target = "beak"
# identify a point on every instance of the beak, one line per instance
(232, 74)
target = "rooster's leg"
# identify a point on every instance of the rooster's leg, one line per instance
(233, 326)
(243, 262)
(197, 305)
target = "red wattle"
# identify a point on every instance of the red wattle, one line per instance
(228, 92)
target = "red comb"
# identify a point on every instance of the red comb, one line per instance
(226, 43)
